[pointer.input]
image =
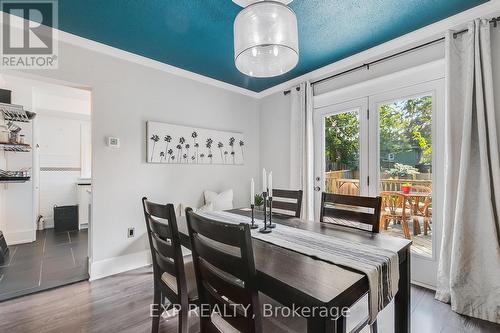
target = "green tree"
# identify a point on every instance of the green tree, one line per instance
(342, 140)
(404, 126)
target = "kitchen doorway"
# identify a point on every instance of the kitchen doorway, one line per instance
(45, 219)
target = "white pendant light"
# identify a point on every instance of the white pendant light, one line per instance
(265, 38)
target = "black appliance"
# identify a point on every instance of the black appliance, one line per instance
(65, 218)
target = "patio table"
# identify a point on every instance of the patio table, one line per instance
(414, 199)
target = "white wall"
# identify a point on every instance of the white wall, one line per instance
(423, 56)
(275, 138)
(124, 96)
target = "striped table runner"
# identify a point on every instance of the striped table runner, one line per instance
(381, 266)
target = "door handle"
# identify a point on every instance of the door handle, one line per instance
(317, 188)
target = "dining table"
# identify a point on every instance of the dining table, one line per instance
(298, 280)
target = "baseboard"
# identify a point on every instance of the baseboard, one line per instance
(116, 265)
(49, 224)
(18, 237)
(424, 285)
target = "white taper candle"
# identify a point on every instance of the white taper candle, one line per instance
(252, 192)
(270, 184)
(264, 180)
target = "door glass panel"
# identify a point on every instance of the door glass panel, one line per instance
(342, 153)
(405, 174)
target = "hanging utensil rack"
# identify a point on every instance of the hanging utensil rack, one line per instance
(14, 176)
(12, 112)
(15, 113)
(15, 147)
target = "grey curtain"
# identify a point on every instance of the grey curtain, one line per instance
(469, 268)
(301, 146)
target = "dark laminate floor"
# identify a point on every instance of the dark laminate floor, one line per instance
(121, 304)
(54, 259)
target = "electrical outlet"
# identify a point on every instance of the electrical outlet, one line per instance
(130, 232)
(113, 142)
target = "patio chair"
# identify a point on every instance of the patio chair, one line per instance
(422, 208)
(394, 210)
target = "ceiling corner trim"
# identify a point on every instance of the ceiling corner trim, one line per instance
(427, 33)
(85, 43)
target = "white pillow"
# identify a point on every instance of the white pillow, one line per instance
(220, 201)
(206, 208)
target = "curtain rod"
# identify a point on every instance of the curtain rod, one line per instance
(286, 92)
(494, 21)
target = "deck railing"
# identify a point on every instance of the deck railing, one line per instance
(339, 182)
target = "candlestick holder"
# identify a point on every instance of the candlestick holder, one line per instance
(253, 225)
(265, 229)
(271, 224)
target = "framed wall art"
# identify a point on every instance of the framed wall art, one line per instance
(175, 144)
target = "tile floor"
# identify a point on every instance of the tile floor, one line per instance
(53, 260)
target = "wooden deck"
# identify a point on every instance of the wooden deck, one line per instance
(422, 244)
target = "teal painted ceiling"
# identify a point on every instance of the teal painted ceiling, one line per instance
(197, 35)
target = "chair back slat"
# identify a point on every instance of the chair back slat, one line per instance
(361, 217)
(165, 264)
(164, 241)
(291, 207)
(220, 232)
(352, 209)
(289, 194)
(225, 272)
(216, 257)
(162, 247)
(160, 227)
(236, 319)
(233, 288)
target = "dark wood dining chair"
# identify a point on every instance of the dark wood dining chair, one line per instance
(225, 274)
(173, 272)
(287, 201)
(353, 212)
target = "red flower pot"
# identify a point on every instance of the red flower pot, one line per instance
(406, 189)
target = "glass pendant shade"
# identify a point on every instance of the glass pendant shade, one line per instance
(266, 39)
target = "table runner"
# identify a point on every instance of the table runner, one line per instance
(381, 266)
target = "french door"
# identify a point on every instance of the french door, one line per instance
(387, 144)
(341, 149)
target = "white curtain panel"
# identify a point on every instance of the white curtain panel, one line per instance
(301, 146)
(469, 268)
